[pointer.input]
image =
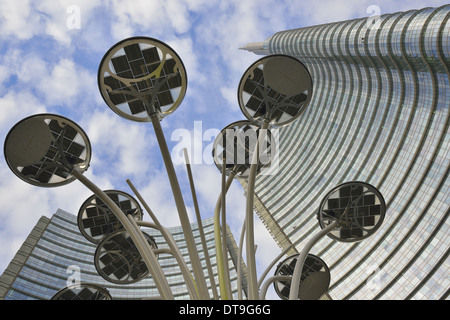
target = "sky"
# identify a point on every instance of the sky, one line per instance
(49, 56)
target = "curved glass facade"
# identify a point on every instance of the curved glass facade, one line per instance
(379, 114)
(55, 250)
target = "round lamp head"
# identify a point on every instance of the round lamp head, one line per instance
(140, 76)
(82, 291)
(96, 220)
(236, 143)
(275, 89)
(358, 207)
(314, 281)
(118, 260)
(44, 149)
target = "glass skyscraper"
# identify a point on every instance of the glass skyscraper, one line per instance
(379, 114)
(55, 250)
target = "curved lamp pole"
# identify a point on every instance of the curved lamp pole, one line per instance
(274, 91)
(232, 153)
(295, 282)
(249, 223)
(200, 226)
(143, 79)
(175, 251)
(350, 212)
(48, 150)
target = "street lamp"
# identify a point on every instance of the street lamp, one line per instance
(274, 91)
(232, 153)
(45, 149)
(315, 277)
(49, 150)
(350, 212)
(118, 260)
(96, 220)
(143, 79)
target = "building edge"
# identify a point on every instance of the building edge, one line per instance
(15, 266)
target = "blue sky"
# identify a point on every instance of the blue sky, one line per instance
(49, 54)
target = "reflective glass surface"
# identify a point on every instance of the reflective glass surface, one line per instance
(379, 114)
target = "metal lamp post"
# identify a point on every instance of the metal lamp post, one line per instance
(143, 79)
(232, 153)
(274, 91)
(350, 212)
(48, 150)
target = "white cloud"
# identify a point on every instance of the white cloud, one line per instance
(157, 193)
(5, 73)
(66, 16)
(28, 68)
(62, 83)
(15, 106)
(230, 95)
(24, 19)
(19, 203)
(203, 6)
(185, 48)
(178, 15)
(55, 83)
(18, 19)
(140, 14)
(121, 148)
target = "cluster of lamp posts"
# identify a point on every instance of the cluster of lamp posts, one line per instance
(143, 79)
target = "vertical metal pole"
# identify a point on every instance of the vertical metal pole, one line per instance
(146, 252)
(218, 242)
(200, 226)
(224, 230)
(181, 208)
(239, 275)
(250, 239)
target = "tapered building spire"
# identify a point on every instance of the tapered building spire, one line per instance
(259, 48)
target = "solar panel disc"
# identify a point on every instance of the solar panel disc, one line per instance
(118, 260)
(140, 76)
(96, 220)
(314, 281)
(276, 88)
(82, 291)
(43, 150)
(237, 142)
(358, 207)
